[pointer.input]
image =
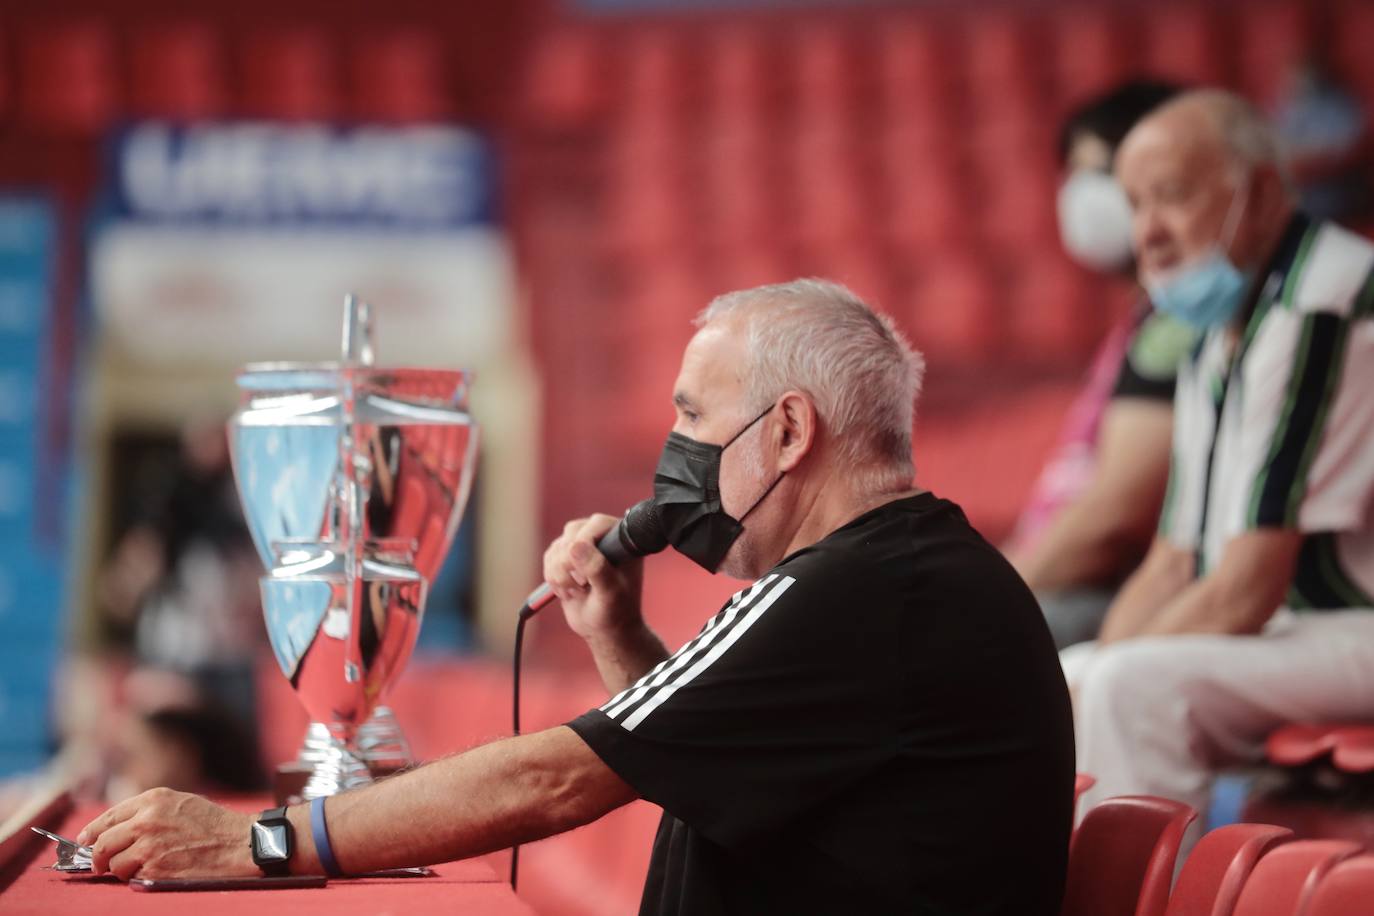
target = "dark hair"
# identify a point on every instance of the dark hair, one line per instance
(1111, 116)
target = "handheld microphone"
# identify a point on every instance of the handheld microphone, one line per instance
(639, 534)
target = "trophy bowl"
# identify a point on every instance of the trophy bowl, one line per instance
(353, 480)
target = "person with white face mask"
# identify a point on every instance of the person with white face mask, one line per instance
(1255, 604)
(1093, 509)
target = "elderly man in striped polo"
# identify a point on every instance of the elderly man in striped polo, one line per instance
(1253, 607)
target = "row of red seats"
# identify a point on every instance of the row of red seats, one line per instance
(961, 310)
(908, 153)
(992, 58)
(1122, 862)
(79, 76)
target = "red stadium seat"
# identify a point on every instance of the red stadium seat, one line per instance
(1273, 38)
(1002, 68)
(646, 213)
(1215, 871)
(1283, 882)
(738, 210)
(1050, 317)
(823, 70)
(741, 78)
(1090, 54)
(1016, 204)
(1181, 43)
(913, 70)
(831, 209)
(178, 72)
(399, 77)
(1350, 746)
(67, 77)
(1347, 890)
(952, 310)
(754, 265)
(1122, 858)
(1354, 751)
(1300, 743)
(858, 267)
(1351, 39)
(291, 74)
(927, 207)
(566, 82)
(656, 75)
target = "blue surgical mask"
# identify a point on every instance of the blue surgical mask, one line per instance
(1207, 292)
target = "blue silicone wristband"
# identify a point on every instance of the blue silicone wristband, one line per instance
(319, 829)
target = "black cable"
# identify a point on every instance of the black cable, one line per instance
(526, 613)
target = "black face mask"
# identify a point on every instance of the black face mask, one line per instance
(687, 494)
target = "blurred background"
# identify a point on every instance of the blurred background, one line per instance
(546, 193)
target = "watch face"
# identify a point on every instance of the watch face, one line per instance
(269, 841)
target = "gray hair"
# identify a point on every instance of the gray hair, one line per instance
(820, 338)
(1246, 134)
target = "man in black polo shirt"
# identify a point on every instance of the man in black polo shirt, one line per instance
(877, 724)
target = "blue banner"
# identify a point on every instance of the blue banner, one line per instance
(259, 173)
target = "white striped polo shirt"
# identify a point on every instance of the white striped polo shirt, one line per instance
(1276, 429)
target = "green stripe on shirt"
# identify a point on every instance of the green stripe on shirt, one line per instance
(1290, 285)
(1333, 376)
(1281, 430)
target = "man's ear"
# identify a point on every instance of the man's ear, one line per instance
(1270, 192)
(797, 428)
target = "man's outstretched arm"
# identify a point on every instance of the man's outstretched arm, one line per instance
(511, 791)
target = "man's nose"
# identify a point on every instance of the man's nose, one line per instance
(1148, 230)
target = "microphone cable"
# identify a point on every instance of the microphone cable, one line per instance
(526, 612)
(639, 533)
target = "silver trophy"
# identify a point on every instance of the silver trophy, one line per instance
(353, 480)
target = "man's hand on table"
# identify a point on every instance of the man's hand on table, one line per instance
(167, 834)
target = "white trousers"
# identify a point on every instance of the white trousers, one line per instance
(1159, 715)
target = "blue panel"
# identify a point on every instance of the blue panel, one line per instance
(32, 598)
(23, 301)
(26, 760)
(18, 481)
(19, 389)
(32, 593)
(24, 712)
(28, 232)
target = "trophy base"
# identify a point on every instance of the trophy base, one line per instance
(288, 783)
(290, 779)
(327, 765)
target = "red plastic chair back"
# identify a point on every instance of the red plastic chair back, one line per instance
(1284, 881)
(1348, 890)
(179, 72)
(1215, 871)
(1121, 861)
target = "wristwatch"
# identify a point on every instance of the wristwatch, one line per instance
(273, 841)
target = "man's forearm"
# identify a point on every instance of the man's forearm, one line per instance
(624, 656)
(1208, 606)
(1085, 546)
(511, 791)
(1240, 595)
(1160, 580)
